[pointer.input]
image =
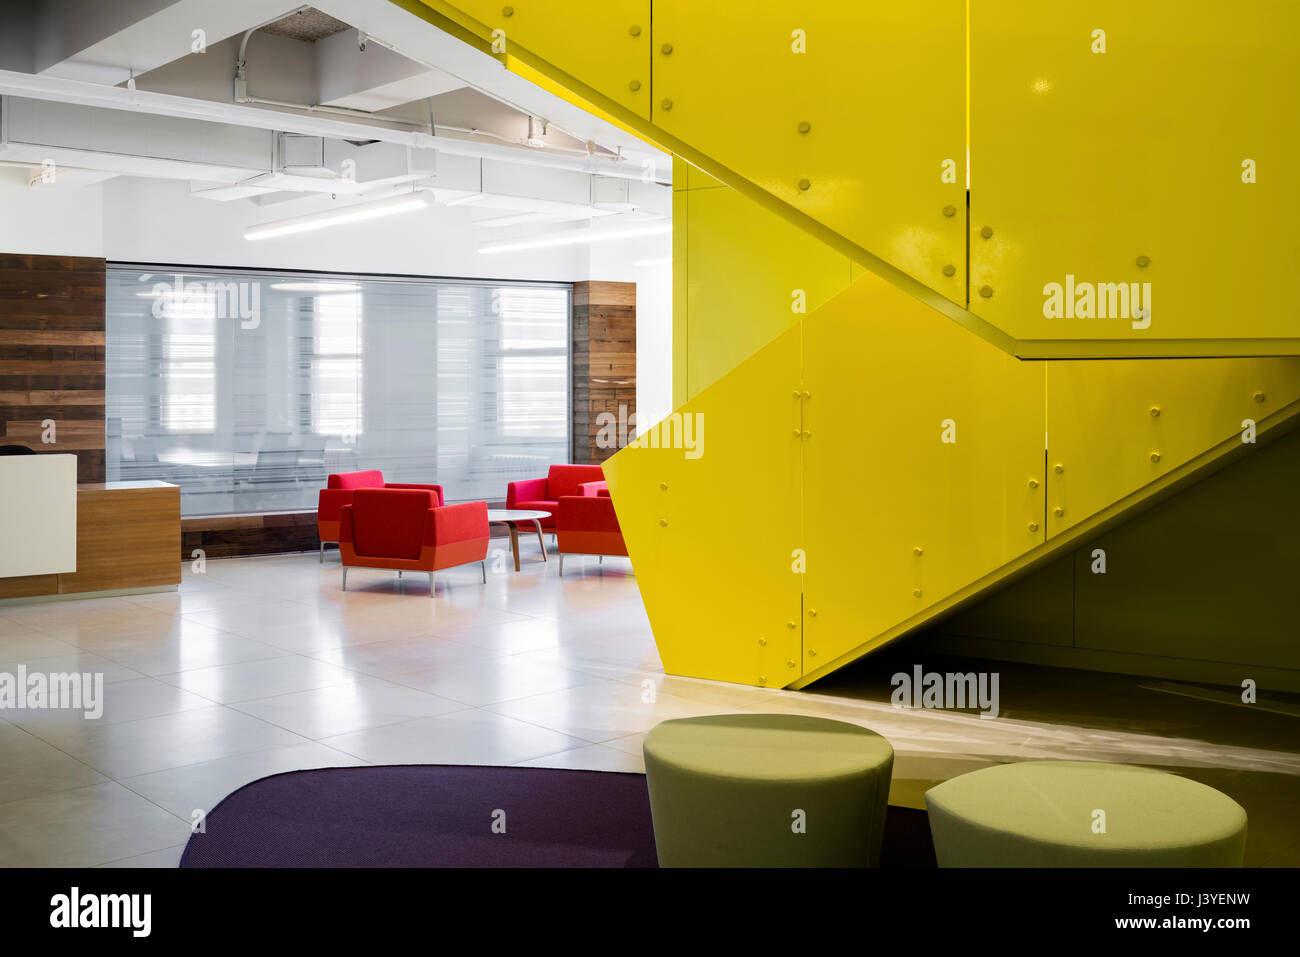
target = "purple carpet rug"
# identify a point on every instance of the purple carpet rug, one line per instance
(430, 816)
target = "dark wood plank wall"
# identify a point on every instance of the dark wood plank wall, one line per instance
(604, 362)
(52, 356)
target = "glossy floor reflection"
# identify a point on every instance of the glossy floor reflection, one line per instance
(263, 665)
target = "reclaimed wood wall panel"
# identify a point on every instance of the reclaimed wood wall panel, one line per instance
(604, 363)
(52, 356)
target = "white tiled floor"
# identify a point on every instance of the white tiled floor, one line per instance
(264, 665)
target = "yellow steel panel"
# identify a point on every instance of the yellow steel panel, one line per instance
(1115, 426)
(881, 89)
(1084, 163)
(896, 519)
(711, 537)
(748, 271)
(604, 44)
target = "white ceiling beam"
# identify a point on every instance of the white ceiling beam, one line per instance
(107, 42)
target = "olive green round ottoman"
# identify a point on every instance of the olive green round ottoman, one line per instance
(1082, 814)
(767, 790)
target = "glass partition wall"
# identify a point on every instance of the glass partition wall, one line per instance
(247, 388)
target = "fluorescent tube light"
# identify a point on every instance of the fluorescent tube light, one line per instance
(408, 202)
(576, 236)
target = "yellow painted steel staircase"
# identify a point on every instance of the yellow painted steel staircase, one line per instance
(891, 456)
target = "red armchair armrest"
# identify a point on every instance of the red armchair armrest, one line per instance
(526, 490)
(594, 489)
(435, 489)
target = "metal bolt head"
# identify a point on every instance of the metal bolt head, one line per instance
(1155, 411)
(789, 624)
(812, 612)
(807, 435)
(665, 104)
(762, 679)
(1058, 511)
(666, 49)
(1143, 261)
(917, 551)
(1259, 396)
(807, 395)
(790, 663)
(986, 231)
(1155, 456)
(634, 30)
(986, 291)
(664, 486)
(805, 184)
(805, 126)
(507, 11)
(1033, 483)
(1033, 526)
(812, 652)
(950, 210)
(950, 270)
(634, 85)
(916, 593)
(1059, 468)
(663, 523)
(762, 642)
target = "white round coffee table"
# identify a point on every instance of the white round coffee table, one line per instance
(511, 517)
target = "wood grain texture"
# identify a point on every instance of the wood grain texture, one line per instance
(52, 341)
(604, 362)
(126, 538)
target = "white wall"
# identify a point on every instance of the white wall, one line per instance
(49, 221)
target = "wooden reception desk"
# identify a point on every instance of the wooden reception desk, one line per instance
(128, 537)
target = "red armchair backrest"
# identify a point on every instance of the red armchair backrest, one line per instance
(564, 480)
(367, 478)
(390, 522)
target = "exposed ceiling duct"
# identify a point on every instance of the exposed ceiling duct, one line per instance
(164, 104)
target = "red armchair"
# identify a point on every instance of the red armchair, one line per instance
(544, 494)
(587, 525)
(405, 530)
(338, 492)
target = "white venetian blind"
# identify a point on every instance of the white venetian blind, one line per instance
(246, 389)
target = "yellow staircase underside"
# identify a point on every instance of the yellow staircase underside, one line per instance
(889, 456)
(1111, 142)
